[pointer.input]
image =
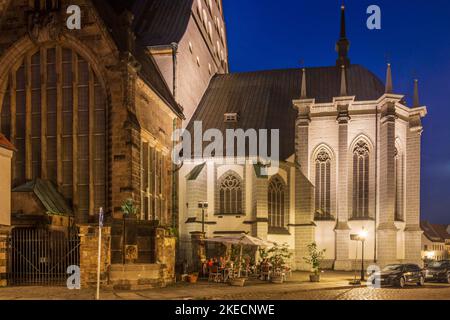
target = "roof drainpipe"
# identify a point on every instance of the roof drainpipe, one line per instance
(174, 62)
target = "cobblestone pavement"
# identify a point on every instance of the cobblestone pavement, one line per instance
(333, 286)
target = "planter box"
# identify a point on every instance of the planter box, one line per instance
(237, 282)
(314, 277)
(277, 279)
(193, 278)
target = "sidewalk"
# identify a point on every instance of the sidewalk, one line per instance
(184, 291)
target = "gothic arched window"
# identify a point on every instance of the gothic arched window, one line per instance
(323, 184)
(361, 180)
(230, 194)
(54, 112)
(276, 202)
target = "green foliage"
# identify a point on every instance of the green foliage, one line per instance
(315, 256)
(263, 253)
(279, 256)
(173, 232)
(129, 209)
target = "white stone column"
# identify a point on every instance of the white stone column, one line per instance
(303, 226)
(413, 232)
(387, 231)
(342, 230)
(262, 213)
(302, 134)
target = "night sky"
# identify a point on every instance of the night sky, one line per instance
(415, 38)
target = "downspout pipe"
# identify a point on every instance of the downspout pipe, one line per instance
(174, 46)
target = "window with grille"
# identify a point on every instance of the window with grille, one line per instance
(276, 203)
(361, 180)
(54, 112)
(152, 184)
(323, 185)
(230, 194)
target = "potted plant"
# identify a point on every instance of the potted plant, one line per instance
(193, 277)
(240, 263)
(279, 256)
(315, 256)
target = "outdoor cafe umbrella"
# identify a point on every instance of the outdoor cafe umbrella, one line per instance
(241, 240)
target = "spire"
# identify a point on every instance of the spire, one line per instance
(303, 93)
(343, 45)
(416, 102)
(389, 79)
(343, 92)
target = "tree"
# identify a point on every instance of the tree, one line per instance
(315, 256)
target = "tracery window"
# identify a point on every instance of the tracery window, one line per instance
(230, 194)
(361, 180)
(54, 112)
(276, 202)
(323, 184)
(152, 181)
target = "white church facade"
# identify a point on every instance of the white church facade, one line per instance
(349, 161)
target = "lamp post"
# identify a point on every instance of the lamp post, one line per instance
(362, 236)
(203, 205)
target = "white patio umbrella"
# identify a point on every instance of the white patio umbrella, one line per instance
(242, 240)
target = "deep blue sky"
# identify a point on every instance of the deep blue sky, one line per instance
(415, 37)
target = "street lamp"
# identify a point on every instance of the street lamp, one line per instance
(203, 205)
(363, 236)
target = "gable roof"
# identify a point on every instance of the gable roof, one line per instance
(110, 11)
(435, 232)
(263, 99)
(48, 195)
(4, 143)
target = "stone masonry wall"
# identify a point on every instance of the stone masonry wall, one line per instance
(165, 254)
(3, 257)
(89, 254)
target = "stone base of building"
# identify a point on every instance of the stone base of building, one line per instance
(383, 263)
(4, 233)
(343, 265)
(139, 276)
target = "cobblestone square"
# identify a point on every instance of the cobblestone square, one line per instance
(333, 286)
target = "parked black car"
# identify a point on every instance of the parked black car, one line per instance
(401, 274)
(438, 271)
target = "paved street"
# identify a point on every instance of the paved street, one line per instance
(334, 286)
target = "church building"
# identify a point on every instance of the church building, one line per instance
(350, 157)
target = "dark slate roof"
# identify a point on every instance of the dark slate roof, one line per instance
(263, 99)
(157, 22)
(161, 22)
(195, 172)
(110, 10)
(435, 232)
(48, 195)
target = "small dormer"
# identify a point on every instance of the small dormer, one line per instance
(231, 117)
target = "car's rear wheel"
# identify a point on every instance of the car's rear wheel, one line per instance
(421, 281)
(448, 278)
(401, 282)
